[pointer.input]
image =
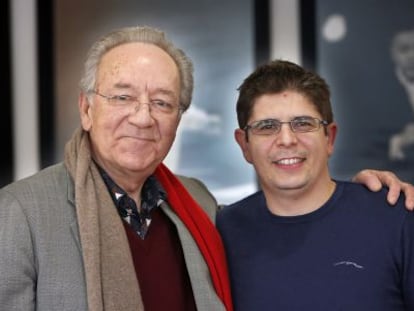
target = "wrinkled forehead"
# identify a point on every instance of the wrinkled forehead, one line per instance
(139, 64)
(138, 53)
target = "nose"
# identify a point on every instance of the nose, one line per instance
(286, 136)
(141, 114)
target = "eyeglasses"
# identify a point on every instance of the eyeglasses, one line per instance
(272, 126)
(127, 101)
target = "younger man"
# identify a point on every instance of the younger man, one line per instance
(306, 241)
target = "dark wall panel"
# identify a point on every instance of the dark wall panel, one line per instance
(6, 153)
(46, 78)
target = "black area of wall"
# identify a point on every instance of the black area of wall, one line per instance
(261, 34)
(46, 84)
(6, 130)
(262, 31)
(308, 34)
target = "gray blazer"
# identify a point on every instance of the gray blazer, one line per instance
(41, 265)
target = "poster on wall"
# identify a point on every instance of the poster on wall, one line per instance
(365, 51)
(209, 32)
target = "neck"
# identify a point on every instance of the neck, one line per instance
(131, 183)
(295, 202)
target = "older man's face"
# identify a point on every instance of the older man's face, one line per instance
(132, 140)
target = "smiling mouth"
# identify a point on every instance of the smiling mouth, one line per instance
(289, 161)
(139, 138)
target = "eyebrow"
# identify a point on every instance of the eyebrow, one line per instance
(123, 86)
(290, 119)
(157, 91)
(164, 92)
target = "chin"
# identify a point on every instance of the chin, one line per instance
(289, 187)
(136, 163)
(291, 184)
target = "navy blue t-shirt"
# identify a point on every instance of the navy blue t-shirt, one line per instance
(356, 252)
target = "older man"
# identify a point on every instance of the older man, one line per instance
(111, 228)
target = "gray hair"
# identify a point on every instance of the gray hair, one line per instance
(142, 34)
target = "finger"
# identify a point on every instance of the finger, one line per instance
(394, 192)
(378, 179)
(409, 195)
(369, 178)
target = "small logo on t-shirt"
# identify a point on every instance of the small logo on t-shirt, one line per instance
(348, 263)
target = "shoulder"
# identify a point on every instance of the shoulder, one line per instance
(52, 176)
(44, 188)
(243, 208)
(355, 199)
(201, 194)
(360, 193)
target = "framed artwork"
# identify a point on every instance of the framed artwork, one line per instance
(365, 51)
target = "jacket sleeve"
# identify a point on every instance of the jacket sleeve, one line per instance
(17, 262)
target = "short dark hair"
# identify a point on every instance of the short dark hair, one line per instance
(278, 76)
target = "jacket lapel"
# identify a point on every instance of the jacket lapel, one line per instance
(204, 294)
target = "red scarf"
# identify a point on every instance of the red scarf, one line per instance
(202, 230)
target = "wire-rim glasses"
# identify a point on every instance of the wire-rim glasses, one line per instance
(128, 101)
(302, 124)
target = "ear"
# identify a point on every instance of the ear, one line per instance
(85, 111)
(241, 140)
(331, 131)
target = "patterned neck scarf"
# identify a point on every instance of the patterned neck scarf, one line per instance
(152, 195)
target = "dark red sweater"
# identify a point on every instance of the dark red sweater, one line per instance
(160, 267)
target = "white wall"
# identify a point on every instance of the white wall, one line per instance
(24, 92)
(285, 30)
